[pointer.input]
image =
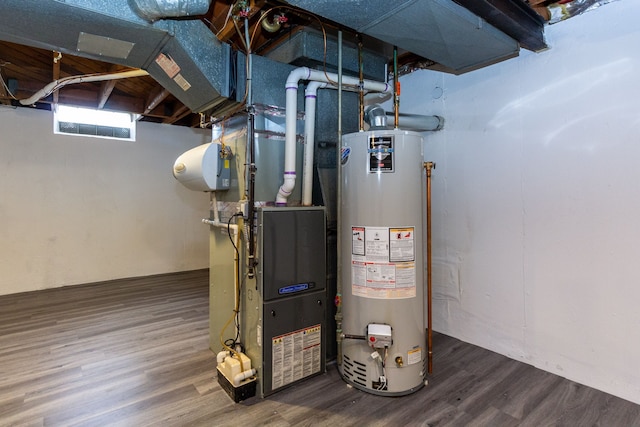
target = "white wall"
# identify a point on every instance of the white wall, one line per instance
(537, 201)
(76, 210)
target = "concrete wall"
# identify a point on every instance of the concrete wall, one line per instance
(536, 201)
(75, 209)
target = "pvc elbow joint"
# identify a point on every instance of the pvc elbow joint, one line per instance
(243, 376)
(285, 190)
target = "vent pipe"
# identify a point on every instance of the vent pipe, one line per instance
(152, 10)
(376, 117)
(291, 101)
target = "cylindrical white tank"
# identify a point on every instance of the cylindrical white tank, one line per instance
(202, 168)
(382, 262)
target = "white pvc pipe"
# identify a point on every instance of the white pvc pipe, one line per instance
(310, 97)
(291, 87)
(57, 84)
(214, 223)
(238, 378)
(221, 356)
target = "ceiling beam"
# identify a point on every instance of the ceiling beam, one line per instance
(180, 113)
(106, 87)
(105, 92)
(86, 98)
(155, 98)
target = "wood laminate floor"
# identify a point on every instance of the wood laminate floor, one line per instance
(135, 352)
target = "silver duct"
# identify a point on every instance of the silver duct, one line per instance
(152, 10)
(377, 118)
(183, 55)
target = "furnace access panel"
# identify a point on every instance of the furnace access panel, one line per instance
(290, 332)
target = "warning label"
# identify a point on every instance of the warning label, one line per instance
(401, 244)
(295, 355)
(357, 246)
(168, 65)
(414, 356)
(383, 265)
(377, 244)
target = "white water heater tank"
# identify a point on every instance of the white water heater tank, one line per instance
(384, 345)
(203, 168)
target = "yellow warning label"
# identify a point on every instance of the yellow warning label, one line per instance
(414, 356)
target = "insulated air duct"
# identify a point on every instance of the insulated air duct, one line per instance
(184, 56)
(440, 30)
(153, 10)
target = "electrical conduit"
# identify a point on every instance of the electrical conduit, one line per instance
(57, 84)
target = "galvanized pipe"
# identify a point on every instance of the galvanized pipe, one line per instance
(338, 297)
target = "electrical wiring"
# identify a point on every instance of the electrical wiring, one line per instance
(226, 21)
(236, 308)
(229, 232)
(322, 27)
(247, 43)
(6, 87)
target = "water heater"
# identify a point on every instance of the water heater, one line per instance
(383, 331)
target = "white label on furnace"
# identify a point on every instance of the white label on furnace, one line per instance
(259, 335)
(295, 355)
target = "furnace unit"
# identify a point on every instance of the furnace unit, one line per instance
(284, 315)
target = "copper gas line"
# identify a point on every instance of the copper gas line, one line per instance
(428, 167)
(396, 89)
(361, 84)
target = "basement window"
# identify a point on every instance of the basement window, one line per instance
(94, 123)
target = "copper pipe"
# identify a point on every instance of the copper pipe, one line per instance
(361, 76)
(428, 167)
(396, 89)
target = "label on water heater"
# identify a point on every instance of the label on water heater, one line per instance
(383, 262)
(381, 153)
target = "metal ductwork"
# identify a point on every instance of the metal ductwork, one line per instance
(440, 30)
(153, 10)
(306, 48)
(182, 55)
